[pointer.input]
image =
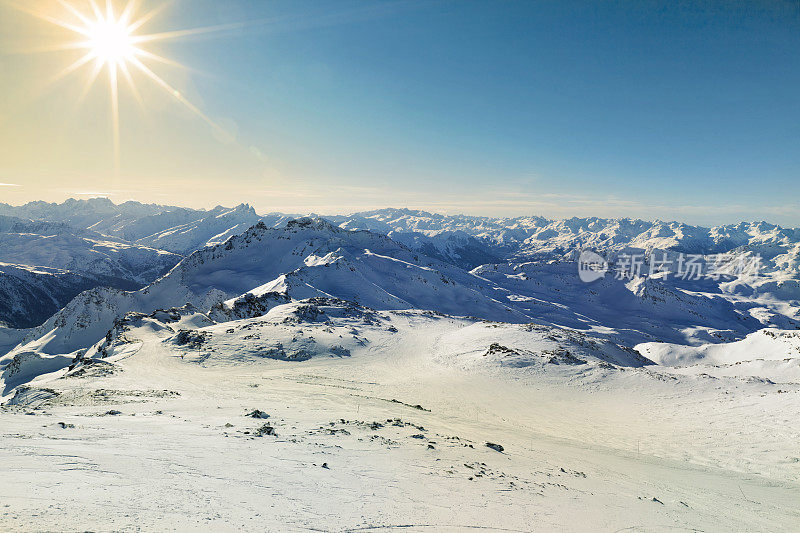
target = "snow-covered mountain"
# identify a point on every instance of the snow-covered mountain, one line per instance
(305, 258)
(82, 214)
(539, 238)
(535, 239)
(466, 241)
(46, 264)
(29, 295)
(381, 272)
(132, 229)
(57, 245)
(177, 229)
(213, 227)
(502, 236)
(455, 246)
(407, 260)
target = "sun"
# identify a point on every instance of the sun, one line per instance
(111, 39)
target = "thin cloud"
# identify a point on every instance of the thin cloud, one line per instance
(95, 194)
(10, 185)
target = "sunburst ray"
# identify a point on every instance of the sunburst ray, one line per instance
(111, 40)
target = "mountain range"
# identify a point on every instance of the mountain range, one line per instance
(70, 270)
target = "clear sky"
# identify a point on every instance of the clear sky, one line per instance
(675, 110)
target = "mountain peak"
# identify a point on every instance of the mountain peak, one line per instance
(315, 223)
(244, 208)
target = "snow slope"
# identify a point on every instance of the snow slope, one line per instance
(765, 354)
(631, 311)
(30, 295)
(377, 420)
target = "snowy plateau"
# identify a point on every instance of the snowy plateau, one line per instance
(173, 369)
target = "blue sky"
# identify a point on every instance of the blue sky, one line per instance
(672, 110)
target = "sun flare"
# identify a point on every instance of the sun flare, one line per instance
(110, 39)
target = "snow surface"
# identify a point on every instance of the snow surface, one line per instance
(398, 406)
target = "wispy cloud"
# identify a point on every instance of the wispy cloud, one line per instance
(10, 185)
(93, 194)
